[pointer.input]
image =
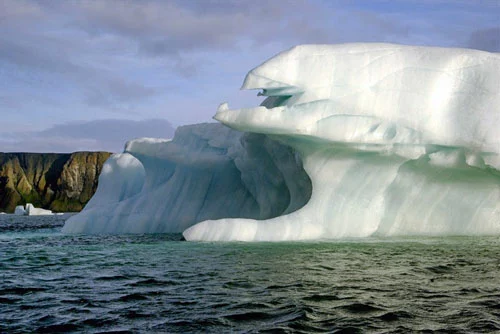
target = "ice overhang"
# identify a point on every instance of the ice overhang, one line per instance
(269, 86)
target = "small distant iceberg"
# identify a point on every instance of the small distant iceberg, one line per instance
(20, 211)
(30, 210)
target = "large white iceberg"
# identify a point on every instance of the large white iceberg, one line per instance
(396, 140)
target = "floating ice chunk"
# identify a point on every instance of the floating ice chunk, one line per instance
(32, 211)
(19, 210)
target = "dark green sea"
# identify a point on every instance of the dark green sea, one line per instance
(50, 282)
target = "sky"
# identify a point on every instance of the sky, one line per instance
(90, 75)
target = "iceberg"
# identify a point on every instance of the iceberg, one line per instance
(352, 140)
(31, 210)
(19, 210)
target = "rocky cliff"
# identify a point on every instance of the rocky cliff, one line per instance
(59, 182)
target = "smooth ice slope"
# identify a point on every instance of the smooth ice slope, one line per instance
(397, 140)
(207, 171)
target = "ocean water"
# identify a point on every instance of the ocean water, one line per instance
(50, 282)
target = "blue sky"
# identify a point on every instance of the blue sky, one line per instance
(120, 69)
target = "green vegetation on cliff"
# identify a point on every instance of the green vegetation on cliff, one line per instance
(59, 182)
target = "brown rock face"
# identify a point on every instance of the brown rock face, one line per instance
(59, 182)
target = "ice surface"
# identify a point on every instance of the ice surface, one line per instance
(19, 210)
(32, 211)
(207, 171)
(395, 140)
(379, 96)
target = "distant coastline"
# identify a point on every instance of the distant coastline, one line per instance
(61, 182)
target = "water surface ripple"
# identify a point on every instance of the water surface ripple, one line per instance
(155, 283)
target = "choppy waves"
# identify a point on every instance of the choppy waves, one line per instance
(155, 283)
